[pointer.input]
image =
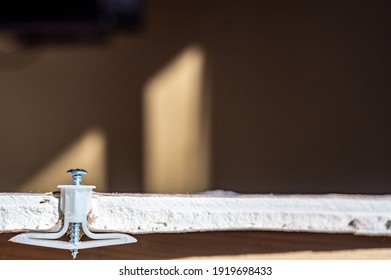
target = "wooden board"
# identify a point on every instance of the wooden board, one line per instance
(221, 245)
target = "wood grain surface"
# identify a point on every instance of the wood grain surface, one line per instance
(231, 245)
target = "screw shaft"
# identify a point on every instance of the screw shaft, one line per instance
(75, 237)
(76, 179)
(77, 174)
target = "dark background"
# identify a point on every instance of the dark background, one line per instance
(300, 95)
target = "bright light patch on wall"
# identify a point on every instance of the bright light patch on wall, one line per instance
(88, 152)
(176, 126)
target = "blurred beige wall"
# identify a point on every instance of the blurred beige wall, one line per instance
(300, 97)
(176, 126)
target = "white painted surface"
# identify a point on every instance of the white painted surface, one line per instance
(27, 211)
(141, 213)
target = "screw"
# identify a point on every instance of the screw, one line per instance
(77, 174)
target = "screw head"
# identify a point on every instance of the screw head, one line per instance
(77, 173)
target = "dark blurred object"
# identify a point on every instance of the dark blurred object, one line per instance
(40, 21)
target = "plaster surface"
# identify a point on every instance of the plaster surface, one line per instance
(149, 213)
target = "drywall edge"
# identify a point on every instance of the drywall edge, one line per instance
(149, 213)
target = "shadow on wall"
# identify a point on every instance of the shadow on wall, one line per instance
(300, 102)
(88, 151)
(176, 136)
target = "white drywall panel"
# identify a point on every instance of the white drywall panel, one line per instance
(148, 213)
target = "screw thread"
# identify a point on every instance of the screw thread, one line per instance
(76, 179)
(75, 238)
(75, 233)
